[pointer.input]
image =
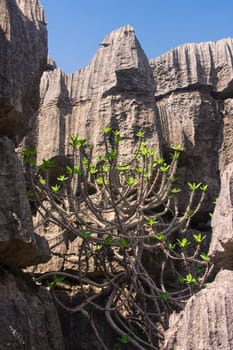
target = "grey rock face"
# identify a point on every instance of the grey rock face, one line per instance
(28, 316)
(19, 246)
(206, 322)
(23, 55)
(205, 64)
(117, 89)
(192, 81)
(222, 223)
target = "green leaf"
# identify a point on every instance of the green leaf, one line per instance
(69, 169)
(123, 243)
(159, 161)
(165, 168)
(204, 188)
(183, 242)
(107, 129)
(122, 167)
(140, 133)
(165, 296)
(175, 155)
(117, 134)
(111, 155)
(100, 181)
(175, 190)
(92, 169)
(189, 279)
(42, 181)
(57, 279)
(62, 178)
(198, 237)
(211, 215)
(105, 168)
(159, 236)
(77, 170)
(150, 152)
(100, 158)
(205, 257)
(172, 179)
(147, 174)
(85, 234)
(27, 152)
(55, 188)
(109, 240)
(74, 140)
(171, 245)
(193, 186)
(81, 142)
(47, 163)
(138, 170)
(131, 181)
(177, 147)
(152, 221)
(85, 161)
(124, 339)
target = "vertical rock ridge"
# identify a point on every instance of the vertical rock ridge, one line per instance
(205, 322)
(116, 88)
(208, 63)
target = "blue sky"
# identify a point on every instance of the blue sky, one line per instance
(76, 27)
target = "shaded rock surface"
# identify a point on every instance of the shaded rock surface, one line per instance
(22, 58)
(23, 55)
(19, 246)
(206, 322)
(221, 246)
(28, 317)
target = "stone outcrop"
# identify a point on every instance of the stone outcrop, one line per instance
(222, 223)
(206, 64)
(28, 316)
(183, 97)
(19, 246)
(192, 81)
(116, 89)
(206, 322)
(23, 55)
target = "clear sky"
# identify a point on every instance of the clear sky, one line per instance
(76, 27)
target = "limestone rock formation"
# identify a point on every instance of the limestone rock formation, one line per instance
(19, 246)
(192, 81)
(117, 89)
(222, 222)
(23, 55)
(206, 322)
(28, 316)
(206, 64)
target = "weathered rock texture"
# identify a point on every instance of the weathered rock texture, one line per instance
(23, 55)
(206, 322)
(207, 64)
(116, 89)
(221, 247)
(22, 58)
(191, 82)
(19, 246)
(28, 317)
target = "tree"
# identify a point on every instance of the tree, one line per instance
(119, 208)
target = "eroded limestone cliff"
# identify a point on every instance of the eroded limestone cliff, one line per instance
(183, 97)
